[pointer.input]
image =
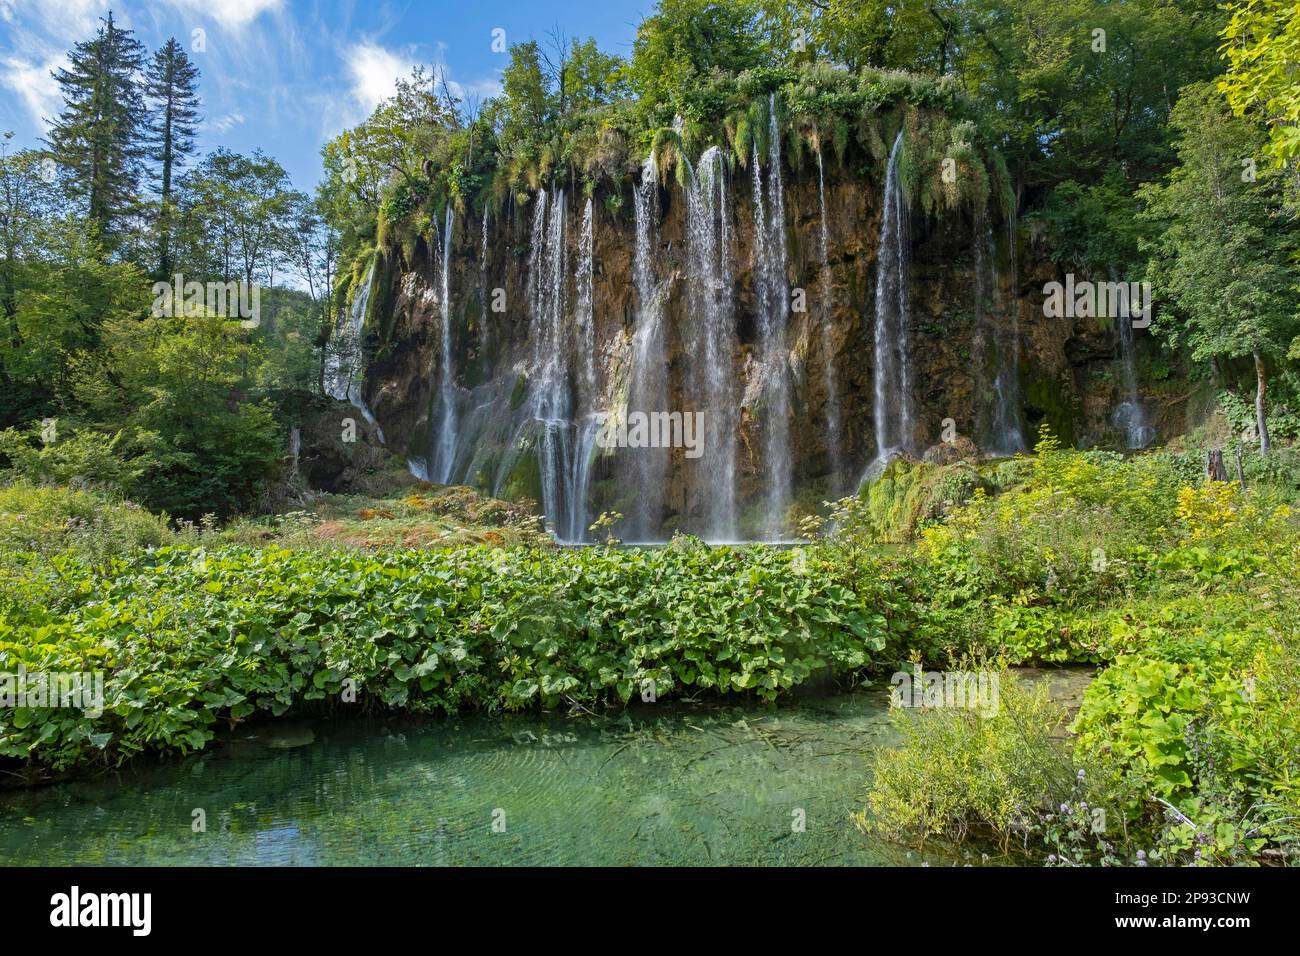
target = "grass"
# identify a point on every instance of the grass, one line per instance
(427, 516)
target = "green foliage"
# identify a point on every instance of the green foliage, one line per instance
(1240, 414)
(1183, 590)
(959, 773)
(1222, 255)
(41, 519)
(906, 497)
(84, 458)
(1147, 713)
(191, 637)
(176, 384)
(1074, 513)
(1094, 227)
(1262, 45)
(96, 135)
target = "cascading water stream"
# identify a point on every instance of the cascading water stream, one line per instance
(826, 293)
(892, 379)
(444, 449)
(588, 426)
(344, 372)
(711, 341)
(773, 315)
(485, 329)
(552, 405)
(648, 388)
(1130, 417)
(996, 357)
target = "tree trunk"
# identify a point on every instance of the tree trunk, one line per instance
(1214, 469)
(1260, 420)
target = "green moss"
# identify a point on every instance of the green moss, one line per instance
(909, 493)
(1047, 402)
(520, 392)
(524, 478)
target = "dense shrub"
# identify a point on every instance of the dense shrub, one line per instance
(84, 458)
(959, 772)
(191, 637)
(49, 519)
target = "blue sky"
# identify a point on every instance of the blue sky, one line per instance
(286, 75)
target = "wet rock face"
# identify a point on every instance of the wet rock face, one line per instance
(1063, 363)
(341, 452)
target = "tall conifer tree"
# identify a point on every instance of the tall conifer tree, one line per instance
(96, 137)
(170, 85)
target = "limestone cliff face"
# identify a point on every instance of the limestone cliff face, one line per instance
(1065, 368)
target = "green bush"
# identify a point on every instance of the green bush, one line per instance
(48, 519)
(959, 773)
(191, 637)
(85, 458)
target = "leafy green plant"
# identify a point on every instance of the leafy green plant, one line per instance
(959, 774)
(191, 638)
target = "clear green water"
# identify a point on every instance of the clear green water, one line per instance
(661, 784)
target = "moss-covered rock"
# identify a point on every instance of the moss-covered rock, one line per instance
(1048, 401)
(523, 477)
(909, 493)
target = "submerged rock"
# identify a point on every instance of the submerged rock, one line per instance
(286, 738)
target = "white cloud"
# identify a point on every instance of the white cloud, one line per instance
(231, 14)
(374, 71)
(66, 19)
(224, 124)
(483, 90)
(34, 84)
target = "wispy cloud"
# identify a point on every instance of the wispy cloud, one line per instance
(231, 14)
(224, 124)
(66, 20)
(374, 71)
(34, 83)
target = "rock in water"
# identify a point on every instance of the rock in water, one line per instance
(286, 738)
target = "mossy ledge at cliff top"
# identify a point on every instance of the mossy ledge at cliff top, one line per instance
(848, 117)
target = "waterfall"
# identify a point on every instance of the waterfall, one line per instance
(344, 374)
(552, 404)
(996, 357)
(892, 378)
(711, 341)
(773, 314)
(585, 347)
(833, 439)
(1130, 416)
(1013, 356)
(648, 388)
(444, 449)
(485, 330)
(585, 321)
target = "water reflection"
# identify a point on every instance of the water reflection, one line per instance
(660, 784)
